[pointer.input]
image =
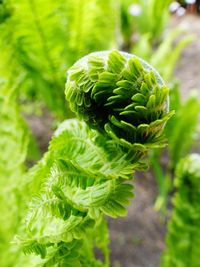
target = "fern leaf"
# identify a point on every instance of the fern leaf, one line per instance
(179, 147)
(13, 145)
(183, 238)
(43, 38)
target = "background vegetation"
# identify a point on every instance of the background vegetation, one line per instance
(39, 41)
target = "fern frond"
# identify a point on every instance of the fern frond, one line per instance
(43, 38)
(86, 173)
(183, 237)
(13, 146)
(119, 94)
(163, 53)
(5, 11)
(183, 124)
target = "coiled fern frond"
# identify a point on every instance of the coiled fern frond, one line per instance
(183, 238)
(86, 173)
(121, 95)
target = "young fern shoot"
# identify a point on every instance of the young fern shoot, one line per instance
(122, 107)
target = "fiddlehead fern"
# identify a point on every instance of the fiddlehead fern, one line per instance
(183, 238)
(120, 94)
(85, 174)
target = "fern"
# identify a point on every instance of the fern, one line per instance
(162, 54)
(43, 38)
(153, 18)
(180, 147)
(14, 142)
(177, 147)
(183, 238)
(5, 11)
(86, 172)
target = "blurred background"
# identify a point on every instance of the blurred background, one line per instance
(41, 39)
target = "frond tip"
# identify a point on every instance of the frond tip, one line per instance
(119, 94)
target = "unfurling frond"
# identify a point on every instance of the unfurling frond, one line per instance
(86, 172)
(121, 95)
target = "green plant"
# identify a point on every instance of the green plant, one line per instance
(126, 25)
(162, 54)
(173, 41)
(145, 36)
(41, 39)
(151, 18)
(86, 172)
(14, 141)
(5, 11)
(186, 117)
(183, 237)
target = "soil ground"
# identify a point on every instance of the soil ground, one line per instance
(138, 239)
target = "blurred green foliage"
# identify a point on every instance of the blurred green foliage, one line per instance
(153, 19)
(183, 237)
(181, 131)
(14, 142)
(144, 17)
(41, 39)
(5, 11)
(175, 40)
(182, 135)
